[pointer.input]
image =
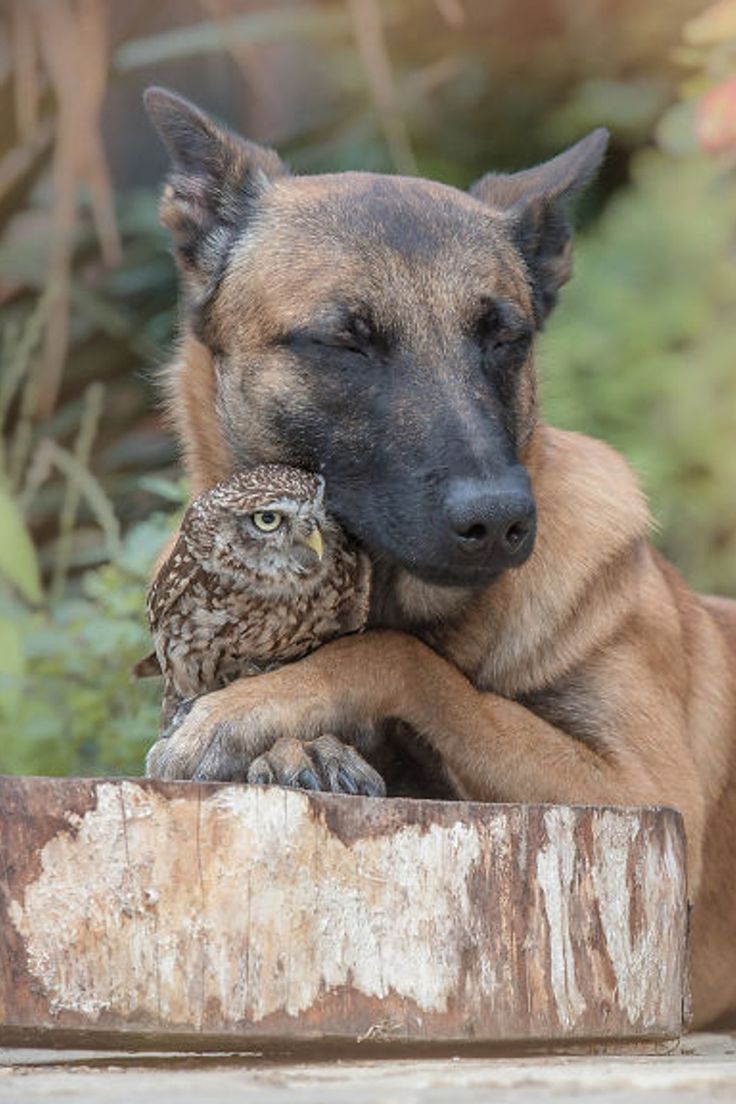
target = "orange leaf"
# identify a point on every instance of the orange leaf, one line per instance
(715, 118)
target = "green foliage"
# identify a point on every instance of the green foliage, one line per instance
(18, 563)
(73, 706)
(641, 353)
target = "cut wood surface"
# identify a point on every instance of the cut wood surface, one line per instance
(169, 913)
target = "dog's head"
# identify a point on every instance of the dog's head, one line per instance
(377, 329)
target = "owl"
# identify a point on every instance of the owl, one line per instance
(259, 575)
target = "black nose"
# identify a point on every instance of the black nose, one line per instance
(492, 518)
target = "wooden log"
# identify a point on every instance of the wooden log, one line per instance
(149, 913)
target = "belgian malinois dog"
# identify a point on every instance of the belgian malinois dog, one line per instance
(380, 330)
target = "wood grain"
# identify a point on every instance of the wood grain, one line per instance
(204, 914)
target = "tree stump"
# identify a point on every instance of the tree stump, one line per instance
(140, 913)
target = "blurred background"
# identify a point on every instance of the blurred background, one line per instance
(641, 351)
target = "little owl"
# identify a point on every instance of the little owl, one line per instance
(259, 575)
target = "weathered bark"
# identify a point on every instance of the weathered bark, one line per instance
(155, 911)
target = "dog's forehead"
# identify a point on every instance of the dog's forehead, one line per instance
(413, 217)
(365, 231)
(377, 199)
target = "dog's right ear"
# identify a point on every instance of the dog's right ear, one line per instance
(214, 184)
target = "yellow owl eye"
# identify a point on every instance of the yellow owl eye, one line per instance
(267, 520)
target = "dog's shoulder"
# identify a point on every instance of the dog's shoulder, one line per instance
(586, 488)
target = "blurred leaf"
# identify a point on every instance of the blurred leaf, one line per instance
(689, 55)
(640, 353)
(12, 662)
(167, 489)
(76, 709)
(109, 318)
(695, 86)
(716, 24)
(630, 107)
(676, 130)
(18, 561)
(289, 23)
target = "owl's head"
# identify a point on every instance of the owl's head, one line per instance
(266, 526)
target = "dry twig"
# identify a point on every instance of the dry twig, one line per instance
(369, 36)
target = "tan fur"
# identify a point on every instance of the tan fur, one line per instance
(590, 674)
(594, 605)
(190, 390)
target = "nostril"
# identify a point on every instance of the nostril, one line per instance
(515, 535)
(473, 533)
(489, 523)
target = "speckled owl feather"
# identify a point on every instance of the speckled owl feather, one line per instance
(233, 600)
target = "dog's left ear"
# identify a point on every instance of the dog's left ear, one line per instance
(537, 203)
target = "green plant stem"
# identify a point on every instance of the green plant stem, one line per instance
(91, 412)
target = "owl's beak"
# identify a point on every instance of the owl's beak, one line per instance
(315, 542)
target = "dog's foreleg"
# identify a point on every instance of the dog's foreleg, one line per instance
(494, 749)
(498, 750)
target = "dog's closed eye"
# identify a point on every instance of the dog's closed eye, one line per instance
(353, 334)
(501, 328)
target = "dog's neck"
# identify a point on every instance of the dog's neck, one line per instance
(401, 601)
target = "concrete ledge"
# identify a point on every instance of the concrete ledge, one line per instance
(704, 1072)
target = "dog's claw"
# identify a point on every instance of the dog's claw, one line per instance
(324, 764)
(260, 774)
(308, 780)
(373, 787)
(346, 782)
(181, 711)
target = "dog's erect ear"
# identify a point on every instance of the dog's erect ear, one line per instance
(215, 182)
(537, 202)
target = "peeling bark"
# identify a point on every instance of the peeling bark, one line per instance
(139, 908)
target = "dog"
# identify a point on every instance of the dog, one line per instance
(380, 330)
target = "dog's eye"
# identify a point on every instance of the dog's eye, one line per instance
(352, 335)
(507, 341)
(500, 332)
(340, 341)
(304, 341)
(355, 335)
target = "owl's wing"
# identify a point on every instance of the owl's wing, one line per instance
(147, 667)
(174, 578)
(356, 602)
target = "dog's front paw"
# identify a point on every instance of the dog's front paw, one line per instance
(322, 764)
(226, 730)
(223, 732)
(205, 742)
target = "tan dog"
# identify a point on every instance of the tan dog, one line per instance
(380, 330)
